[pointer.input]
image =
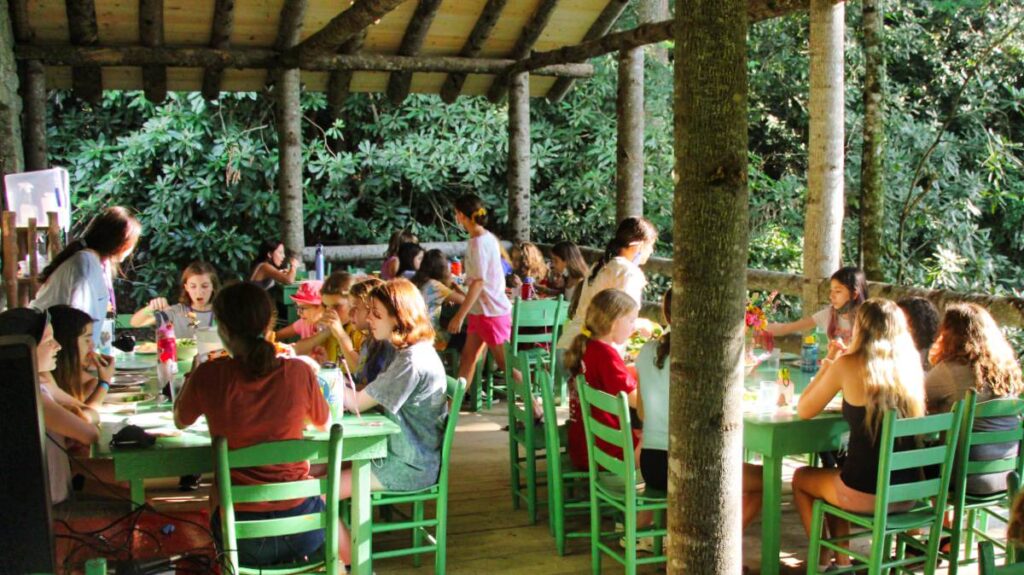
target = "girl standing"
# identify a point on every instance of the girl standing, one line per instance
(486, 306)
(619, 268)
(81, 275)
(194, 310)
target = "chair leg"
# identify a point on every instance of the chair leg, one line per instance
(954, 542)
(417, 532)
(513, 457)
(968, 529)
(531, 483)
(814, 547)
(659, 522)
(886, 550)
(441, 534)
(557, 513)
(629, 522)
(595, 534)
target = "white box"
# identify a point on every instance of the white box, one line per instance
(33, 194)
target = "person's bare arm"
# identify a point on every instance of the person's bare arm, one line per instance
(803, 324)
(61, 421)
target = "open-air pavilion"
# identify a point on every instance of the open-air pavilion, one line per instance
(508, 51)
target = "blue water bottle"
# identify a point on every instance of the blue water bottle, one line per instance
(809, 355)
(320, 262)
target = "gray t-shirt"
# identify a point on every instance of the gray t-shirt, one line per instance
(945, 384)
(412, 392)
(185, 326)
(81, 282)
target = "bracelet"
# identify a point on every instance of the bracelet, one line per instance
(104, 384)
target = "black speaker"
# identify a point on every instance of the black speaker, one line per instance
(26, 536)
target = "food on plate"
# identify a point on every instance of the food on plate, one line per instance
(146, 347)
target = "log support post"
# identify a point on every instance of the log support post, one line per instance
(629, 150)
(12, 157)
(824, 211)
(519, 157)
(289, 174)
(33, 96)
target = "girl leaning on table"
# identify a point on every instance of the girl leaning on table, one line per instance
(337, 336)
(410, 391)
(254, 397)
(72, 328)
(848, 288)
(194, 310)
(63, 422)
(82, 273)
(879, 371)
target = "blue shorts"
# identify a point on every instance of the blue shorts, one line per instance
(267, 551)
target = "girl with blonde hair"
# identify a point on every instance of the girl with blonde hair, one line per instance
(609, 322)
(879, 372)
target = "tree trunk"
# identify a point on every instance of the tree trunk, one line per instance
(654, 11)
(12, 157)
(710, 254)
(823, 222)
(519, 157)
(289, 144)
(629, 149)
(33, 95)
(872, 190)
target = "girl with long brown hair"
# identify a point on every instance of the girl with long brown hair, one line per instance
(194, 310)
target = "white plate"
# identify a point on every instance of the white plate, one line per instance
(129, 397)
(123, 379)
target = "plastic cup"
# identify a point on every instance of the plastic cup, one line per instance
(766, 395)
(774, 359)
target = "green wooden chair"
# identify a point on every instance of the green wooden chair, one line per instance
(562, 479)
(987, 562)
(536, 321)
(613, 484)
(969, 510)
(526, 444)
(883, 525)
(273, 453)
(418, 523)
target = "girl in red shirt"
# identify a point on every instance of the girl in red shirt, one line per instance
(609, 322)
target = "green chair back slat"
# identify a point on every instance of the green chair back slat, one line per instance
(605, 432)
(991, 437)
(279, 526)
(1002, 407)
(918, 457)
(275, 452)
(610, 463)
(617, 406)
(278, 491)
(914, 491)
(922, 425)
(992, 466)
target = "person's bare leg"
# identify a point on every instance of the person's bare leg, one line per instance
(470, 355)
(344, 538)
(752, 492)
(810, 483)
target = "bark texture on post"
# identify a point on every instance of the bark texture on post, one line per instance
(710, 254)
(481, 32)
(33, 95)
(220, 39)
(519, 157)
(289, 142)
(654, 11)
(823, 224)
(12, 158)
(872, 183)
(151, 34)
(629, 149)
(86, 81)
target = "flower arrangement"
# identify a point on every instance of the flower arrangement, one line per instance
(756, 321)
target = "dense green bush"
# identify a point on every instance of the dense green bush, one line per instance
(201, 175)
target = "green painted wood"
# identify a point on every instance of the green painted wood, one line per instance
(525, 442)
(882, 525)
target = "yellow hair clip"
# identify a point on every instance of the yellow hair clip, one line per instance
(480, 212)
(586, 332)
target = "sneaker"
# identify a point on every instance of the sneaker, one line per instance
(643, 544)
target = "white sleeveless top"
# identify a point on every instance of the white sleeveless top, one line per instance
(58, 468)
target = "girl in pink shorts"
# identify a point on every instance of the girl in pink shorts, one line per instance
(486, 307)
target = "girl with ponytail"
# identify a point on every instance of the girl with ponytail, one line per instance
(618, 268)
(609, 323)
(255, 397)
(81, 275)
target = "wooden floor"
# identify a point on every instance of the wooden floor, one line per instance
(488, 536)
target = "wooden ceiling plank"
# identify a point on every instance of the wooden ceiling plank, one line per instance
(604, 23)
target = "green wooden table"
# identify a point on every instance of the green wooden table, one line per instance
(189, 453)
(774, 436)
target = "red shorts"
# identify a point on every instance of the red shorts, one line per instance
(492, 330)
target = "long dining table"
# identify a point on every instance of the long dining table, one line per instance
(775, 435)
(188, 452)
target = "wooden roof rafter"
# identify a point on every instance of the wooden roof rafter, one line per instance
(604, 23)
(412, 41)
(360, 16)
(86, 81)
(339, 84)
(151, 34)
(474, 44)
(524, 45)
(220, 39)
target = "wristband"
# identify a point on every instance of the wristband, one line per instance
(105, 385)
